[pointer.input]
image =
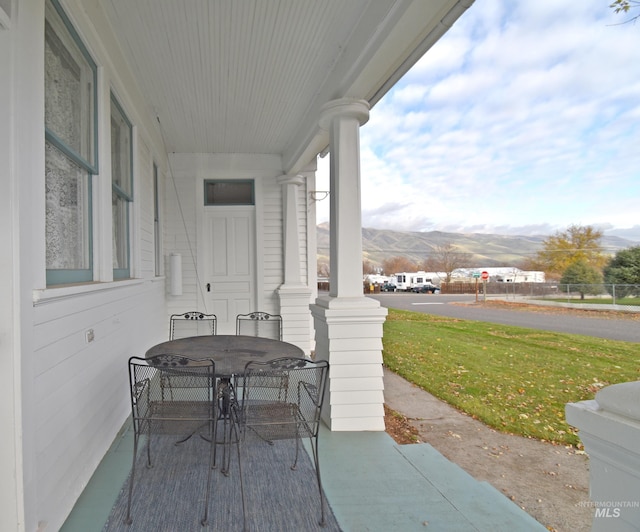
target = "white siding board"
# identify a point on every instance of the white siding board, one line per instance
(356, 384)
(372, 423)
(357, 410)
(356, 344)
(357, 397)
(344, 371)
(356, 357)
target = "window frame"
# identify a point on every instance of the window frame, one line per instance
(58, 276)
(121, 194)
(157, 235)
(251, 202)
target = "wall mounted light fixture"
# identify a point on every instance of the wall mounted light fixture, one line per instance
(318, 195)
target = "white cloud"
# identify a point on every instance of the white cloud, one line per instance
(523, 118)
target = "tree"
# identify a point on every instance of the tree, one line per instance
(625, 6)
(398, 264)
(624, 269)
(368, 267)
(446, 258)
(576, 243)
(323, 269)
(582, 277)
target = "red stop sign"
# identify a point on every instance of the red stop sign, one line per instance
(485, 276)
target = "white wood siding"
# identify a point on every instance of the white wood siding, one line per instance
(74, 393)
(272, 242)
(180, 237)
(144, 198)
(81, 389)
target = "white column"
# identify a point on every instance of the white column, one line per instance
(291, 225)
(342, 118)
(610, 431)
(349, 325)
(294, 295)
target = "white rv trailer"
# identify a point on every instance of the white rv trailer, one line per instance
(405, 281)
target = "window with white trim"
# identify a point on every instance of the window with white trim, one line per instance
(70, 150)
(156, 221)
(121, 187)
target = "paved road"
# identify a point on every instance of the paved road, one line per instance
(453, 306)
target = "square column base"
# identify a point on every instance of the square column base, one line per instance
(610, 431)
(349, 337)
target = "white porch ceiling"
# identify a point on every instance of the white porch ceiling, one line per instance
(250, 76)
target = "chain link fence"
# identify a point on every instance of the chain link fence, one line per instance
(593, 295)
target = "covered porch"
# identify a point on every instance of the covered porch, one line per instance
(175, 99)
(120, 123)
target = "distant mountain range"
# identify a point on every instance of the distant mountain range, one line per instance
(483, 249)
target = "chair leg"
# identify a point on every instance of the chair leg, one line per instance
(245, 526)
(316, 460)
(225, 398)
(294, 466)
(205, 519)
(128, 520)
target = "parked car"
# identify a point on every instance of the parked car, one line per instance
(388, 287)
(426, 289)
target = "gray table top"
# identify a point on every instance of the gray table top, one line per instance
(230, 352)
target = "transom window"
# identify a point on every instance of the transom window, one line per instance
(229, 192)
(70, 151)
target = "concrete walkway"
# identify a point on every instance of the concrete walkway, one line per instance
(551, 482)
(374, 484)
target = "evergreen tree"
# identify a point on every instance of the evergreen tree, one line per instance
(624, 270)
(582, 277)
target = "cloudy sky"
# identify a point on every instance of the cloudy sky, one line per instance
(523, 119)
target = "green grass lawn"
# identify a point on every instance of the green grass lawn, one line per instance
(514, 379)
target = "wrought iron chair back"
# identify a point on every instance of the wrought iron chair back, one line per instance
(282, 399)
(192, 323)
(260, 324)
(173, 395)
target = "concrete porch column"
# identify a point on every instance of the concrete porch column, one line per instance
(294, 295)
(348, 325)
(610, 431)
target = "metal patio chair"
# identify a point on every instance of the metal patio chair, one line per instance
(172, 395)
(192, 323)
(289, 411)
(260, 324)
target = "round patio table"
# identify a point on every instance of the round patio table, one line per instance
(230, 352)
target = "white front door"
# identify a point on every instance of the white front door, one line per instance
(228, 263)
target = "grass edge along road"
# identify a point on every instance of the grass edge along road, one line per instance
(514, 379)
